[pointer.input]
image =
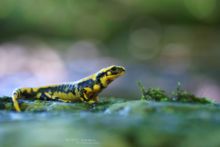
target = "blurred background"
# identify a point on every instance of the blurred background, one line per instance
(159, 42)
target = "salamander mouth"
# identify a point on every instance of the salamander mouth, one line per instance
(109, 81)
(122, 71)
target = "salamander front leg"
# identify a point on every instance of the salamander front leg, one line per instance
(94, 100)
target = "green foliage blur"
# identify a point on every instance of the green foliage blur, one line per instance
(99, 19)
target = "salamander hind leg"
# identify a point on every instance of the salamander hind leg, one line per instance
(22, 93)
(15, 96)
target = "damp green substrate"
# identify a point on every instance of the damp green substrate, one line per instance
(113, 122)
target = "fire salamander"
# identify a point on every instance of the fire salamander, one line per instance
(85, 90)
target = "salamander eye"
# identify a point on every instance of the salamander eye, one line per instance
(114, 69)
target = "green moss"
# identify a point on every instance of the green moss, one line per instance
(155, 94)
(182, 95)
(178, 95)
(36, 105)
(5, 103)
(41, 105)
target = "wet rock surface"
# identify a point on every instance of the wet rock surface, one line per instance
(112, 122)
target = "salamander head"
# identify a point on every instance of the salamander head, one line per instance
(107, 75)
(91, 86)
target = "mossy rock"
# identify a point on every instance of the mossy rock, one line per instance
(122, 123)
(112, 122)
(51, 106)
